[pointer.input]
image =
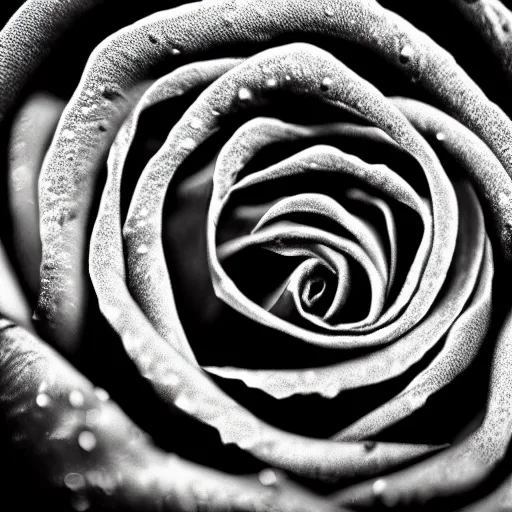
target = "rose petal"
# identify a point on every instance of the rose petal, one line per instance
(396, 358)
(388, 36)
(46, 401)
(31, 135)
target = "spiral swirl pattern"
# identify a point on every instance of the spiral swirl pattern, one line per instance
(391, 218)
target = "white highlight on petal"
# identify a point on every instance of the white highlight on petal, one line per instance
(87, 441)
(268, 478)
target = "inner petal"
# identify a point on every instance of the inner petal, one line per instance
(292, 240)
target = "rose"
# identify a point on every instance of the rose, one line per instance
(457, 307)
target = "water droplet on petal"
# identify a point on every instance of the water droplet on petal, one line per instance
(143, 212)
(74, 481)
(215, 113)
(326, 83)
(43, 400)
(244, 94)
(310, 376)
(267, 478)
(76, 398)
(406, 53)
(271, 82)
(175, 51)
(287, 78)
(249, 442)
(188, 144)
(379, 486)
(332, 390)
(329, 12)
(196, 124)
(440, 136)
(85, 110)
(89, 92)
(43, 386)
(142, 249)
(313, 165)
(87, 441)
(184, 403)
(369, 445)
(69, 134)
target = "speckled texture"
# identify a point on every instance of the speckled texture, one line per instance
(436, 314)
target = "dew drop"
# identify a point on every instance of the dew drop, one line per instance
(440, 136)
(76, 398)
(271, 82)
(188, 144)
(244, 94)
(326, 83)
(267, 478)
(287, 78)
(89, 92)
(43, 400)
(369, 445)
(332, 390)
(329, 12)
(74, 481)
(175, 51)
(310, 377)
(132, 342)
(406, 53)
(379, 486)
(215, 113)
(85, 110)
(248, 442)
(143, 212)
(313, 165)
(87, 441)
(195, 124)
(142, 249)
(184, 403)
(69, 134)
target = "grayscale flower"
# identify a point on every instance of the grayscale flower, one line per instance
(278, 234)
